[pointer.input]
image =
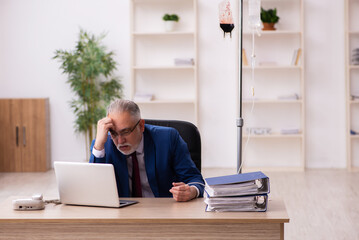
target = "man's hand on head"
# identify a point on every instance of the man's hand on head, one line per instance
(103, 126)
(182, 192)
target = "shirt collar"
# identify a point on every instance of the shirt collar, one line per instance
(140, 147)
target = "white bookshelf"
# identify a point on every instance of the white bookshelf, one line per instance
(174, 87)
(284, 67)
(274, 78)
(352, 83)
(272, 101)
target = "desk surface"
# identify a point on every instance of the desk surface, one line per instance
(148, 210)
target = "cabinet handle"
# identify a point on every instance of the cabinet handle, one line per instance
(24, 136)
(17, 136)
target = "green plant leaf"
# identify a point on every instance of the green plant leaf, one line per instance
(269, 16)
(170, 17)
(90, 69)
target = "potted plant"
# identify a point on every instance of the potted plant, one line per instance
(269, 18)
(170, 20)
(89, 67)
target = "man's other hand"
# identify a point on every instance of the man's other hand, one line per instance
(182, 192)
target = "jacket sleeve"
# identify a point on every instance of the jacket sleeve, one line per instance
(94, 159)
(185, 169)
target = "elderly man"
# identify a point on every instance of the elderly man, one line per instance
(149, 161)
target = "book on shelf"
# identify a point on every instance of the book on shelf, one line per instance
(296, 57)
(287, 131)
(355, 56)
(244, 58)
(238, 192)
(184, 61)
(293, 96)
(259, 130)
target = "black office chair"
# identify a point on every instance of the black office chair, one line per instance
(190, 134)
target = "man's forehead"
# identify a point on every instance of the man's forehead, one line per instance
(121, 120)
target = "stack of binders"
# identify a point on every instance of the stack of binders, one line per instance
(246, 192)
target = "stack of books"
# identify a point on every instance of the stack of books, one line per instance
(246, 192)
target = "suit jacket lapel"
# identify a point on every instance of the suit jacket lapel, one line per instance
(150, 161)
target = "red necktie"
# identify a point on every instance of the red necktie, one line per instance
(136, 179)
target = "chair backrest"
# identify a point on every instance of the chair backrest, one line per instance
(190, 134)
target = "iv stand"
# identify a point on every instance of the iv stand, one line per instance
(239, 121)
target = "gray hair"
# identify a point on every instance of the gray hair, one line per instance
(121, 105)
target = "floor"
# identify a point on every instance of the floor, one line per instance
(321, 204)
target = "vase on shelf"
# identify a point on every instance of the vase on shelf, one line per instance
(268, 26)
(170, 26)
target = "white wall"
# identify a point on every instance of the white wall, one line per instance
(325, 83)
(30, 33)
(31, 30)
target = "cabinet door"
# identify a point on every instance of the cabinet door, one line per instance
(34, 138)
(10, 123)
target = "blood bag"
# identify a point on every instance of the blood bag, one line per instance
(226, 17)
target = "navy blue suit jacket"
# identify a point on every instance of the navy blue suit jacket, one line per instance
(167, 160)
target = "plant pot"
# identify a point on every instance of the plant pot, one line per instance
(170, 26)
(268, 26)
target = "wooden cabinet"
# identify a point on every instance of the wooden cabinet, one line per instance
(24, 138)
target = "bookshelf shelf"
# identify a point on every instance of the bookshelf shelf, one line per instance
(278, 72)
(170, 101)
(353, 66)
(274, 101)
(275, 135)
(164, 67)
(274, 33)
(161, 34)
(275, 67)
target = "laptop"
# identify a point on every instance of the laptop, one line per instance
(88, 184)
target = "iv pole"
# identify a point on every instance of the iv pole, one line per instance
(227, 27)
(239, 121)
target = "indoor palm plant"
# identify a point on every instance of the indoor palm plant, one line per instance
(269, 18)
(90, 67)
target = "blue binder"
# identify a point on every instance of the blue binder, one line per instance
(238, 184)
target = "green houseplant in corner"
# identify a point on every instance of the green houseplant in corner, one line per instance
(170, 21)
(90, 67)
(269, 18)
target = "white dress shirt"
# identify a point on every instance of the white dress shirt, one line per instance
(145, 185)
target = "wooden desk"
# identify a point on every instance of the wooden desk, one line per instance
(160, 218)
